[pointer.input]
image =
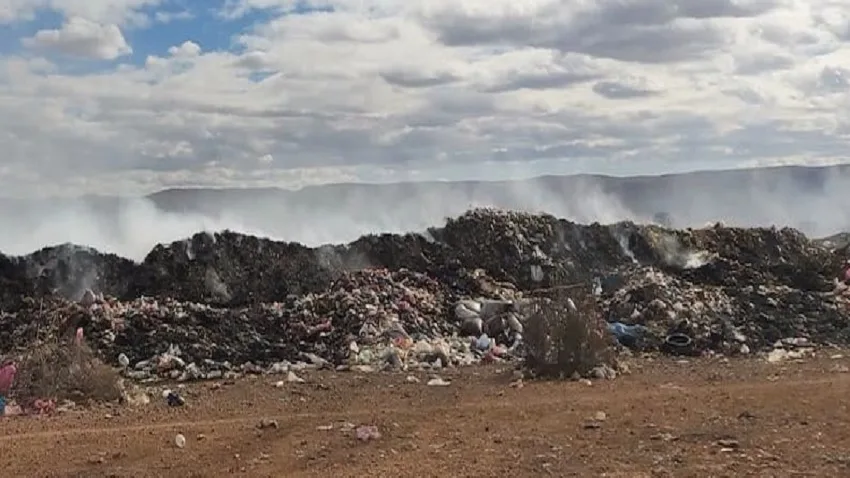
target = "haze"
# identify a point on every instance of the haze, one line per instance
(807, 198)
(130, 97)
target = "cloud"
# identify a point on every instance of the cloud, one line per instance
(256, 90)
(83, 38)
(19, 10)
(187, 49)
(624, 89)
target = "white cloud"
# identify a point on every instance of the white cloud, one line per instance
(402, 89)
(83, 38)
(15, 10)
(187, 49)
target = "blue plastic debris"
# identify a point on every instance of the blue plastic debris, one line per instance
(626, 334)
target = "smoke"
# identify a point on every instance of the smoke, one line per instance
(806, 198)
(129, 228)
(674, 254)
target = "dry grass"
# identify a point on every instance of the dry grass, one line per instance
(561, 342)
(60, 370)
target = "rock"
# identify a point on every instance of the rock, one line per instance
(728, 443)
(267, 423)
(665, 437)
(603, 372)
(180, 441)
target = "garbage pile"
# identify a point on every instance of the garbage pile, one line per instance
(217, 303)
(65, 270)
(734, 319)
(370, 318)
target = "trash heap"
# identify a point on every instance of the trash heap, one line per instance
(370, 318)
(218, 303)
(726, 319)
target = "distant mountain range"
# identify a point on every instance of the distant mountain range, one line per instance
(813, 199)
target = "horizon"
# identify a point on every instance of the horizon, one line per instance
(132, 226)
(437, 181)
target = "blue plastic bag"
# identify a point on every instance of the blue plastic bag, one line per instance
(626, 334)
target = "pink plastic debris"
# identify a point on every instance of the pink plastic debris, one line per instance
(43, 407)
(7, 377)
(367, 432)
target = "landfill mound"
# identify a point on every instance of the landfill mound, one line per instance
(65, 270)
(226, 299)
(727, 319)
(528, 250)
(836, 241)
(373, 308)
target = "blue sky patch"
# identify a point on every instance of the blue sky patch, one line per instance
(171, 24)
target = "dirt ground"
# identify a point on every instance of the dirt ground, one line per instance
(699, 418)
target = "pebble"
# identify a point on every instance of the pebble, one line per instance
(268, 423)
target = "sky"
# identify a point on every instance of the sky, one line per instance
(133, 96)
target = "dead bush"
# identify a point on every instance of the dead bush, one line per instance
(561, 341)
(58, 370)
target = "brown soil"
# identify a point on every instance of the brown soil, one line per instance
(701, 418)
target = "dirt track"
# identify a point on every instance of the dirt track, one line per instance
(703, 418)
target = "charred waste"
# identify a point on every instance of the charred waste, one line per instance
(219, 302)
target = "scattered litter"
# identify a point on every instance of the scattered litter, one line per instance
(292, 378)
(438, 382)
(728, 445)
(173, 398)
(123, 360)
(367, 432)
(267, 423)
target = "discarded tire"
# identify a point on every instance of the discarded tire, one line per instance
(679, 344)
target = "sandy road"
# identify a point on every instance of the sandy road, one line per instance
(705, 418)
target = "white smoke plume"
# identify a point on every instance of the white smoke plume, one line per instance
(339, 214)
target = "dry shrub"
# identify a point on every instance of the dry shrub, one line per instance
(59, 370)
(562, 342)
